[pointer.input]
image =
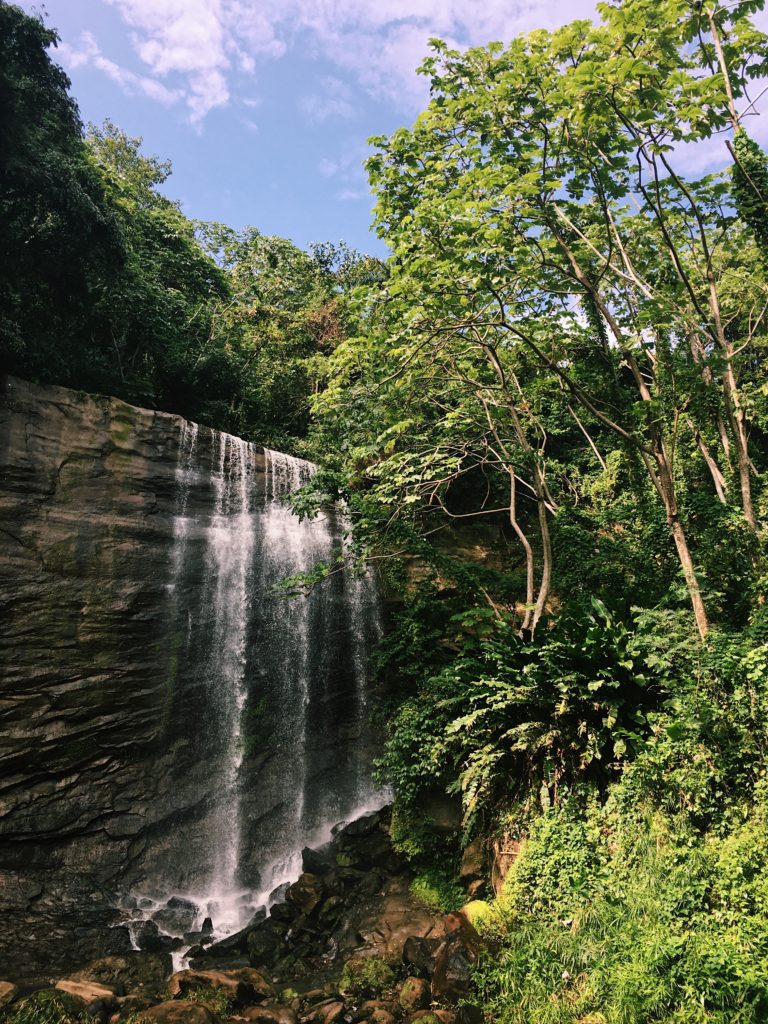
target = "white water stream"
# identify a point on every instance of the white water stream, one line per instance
(259, 640)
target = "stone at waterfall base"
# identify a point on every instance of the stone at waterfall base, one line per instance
(268, 1014)
(129, 972)
(8, 992)
(242, 987)
(348, 946)
(97, 999)
(181, 1011)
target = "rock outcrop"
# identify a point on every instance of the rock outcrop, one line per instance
(113, 733)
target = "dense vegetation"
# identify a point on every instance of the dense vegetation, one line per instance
(547, 414)
(107, 286)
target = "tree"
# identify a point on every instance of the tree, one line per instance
(538, 220)
(60, 245)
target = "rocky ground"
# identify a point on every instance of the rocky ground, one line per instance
(350, 943)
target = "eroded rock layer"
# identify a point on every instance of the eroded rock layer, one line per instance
(166, 719)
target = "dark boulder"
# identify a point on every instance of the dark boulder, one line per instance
(149, 939)
(316, 862)
(177, 916)
(361, 826)
(180, 1011)
(306, 893)
(236, 943)
(452, 976)
(419, 954)
(127, 972)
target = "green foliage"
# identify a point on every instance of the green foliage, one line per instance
(650, 904)
(60, 243)
(750, 186)
(108, 287)
(438, 890)
(508, 718)
(671, 926)
(47, 1007)
(365, 976)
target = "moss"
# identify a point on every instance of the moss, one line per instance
(438, 891)
(365, 976)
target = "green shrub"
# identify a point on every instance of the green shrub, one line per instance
(48, 1007)
(216, 999)
(627, 915)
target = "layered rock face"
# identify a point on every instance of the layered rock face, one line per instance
(170, 723)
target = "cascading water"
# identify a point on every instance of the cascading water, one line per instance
(270, 690)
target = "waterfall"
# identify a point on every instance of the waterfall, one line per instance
(269, 690)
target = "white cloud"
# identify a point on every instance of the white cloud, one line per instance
(88, 52)
(196, 46)
(352, 194)
(334, 99)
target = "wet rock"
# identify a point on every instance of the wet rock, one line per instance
(283, 912)
(306, 893)
(472, 860)
(424, 1017)
(419, 953)
(325, 1013)
(149, 939)
(269, 1013)
(97, 999)
(278, 894)
(242, 986)
(370, 884)
(8, 992)
(371, 851)
(316, 862)
(414, 994)
(377, 1012)
(180, 1011)
(177, 916)
(238, 942)
(331, 910)
(135, 1003)
(387, 920)
(127, 972)
(263, 948)
(363, 826)
(452, 976)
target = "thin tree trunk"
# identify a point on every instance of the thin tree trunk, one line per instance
(739, 428)
(588, 436)
(546, 553)
(666, 488)
(529, 577)
(717, 477)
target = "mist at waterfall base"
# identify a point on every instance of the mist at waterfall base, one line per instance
(271, 690)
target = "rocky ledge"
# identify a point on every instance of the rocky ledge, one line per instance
(349, 943)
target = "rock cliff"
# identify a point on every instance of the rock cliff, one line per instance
(114, 727)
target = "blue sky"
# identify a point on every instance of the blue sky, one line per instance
(264, 106)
